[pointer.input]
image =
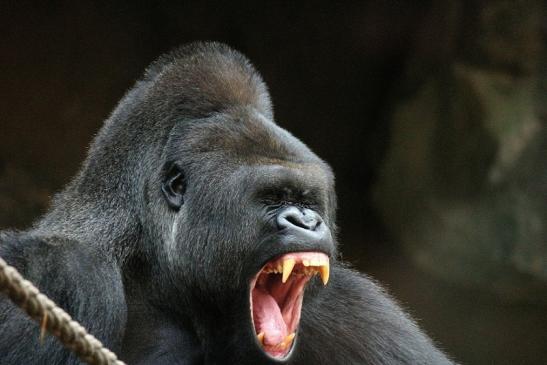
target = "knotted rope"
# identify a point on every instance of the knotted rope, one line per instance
(53, 319)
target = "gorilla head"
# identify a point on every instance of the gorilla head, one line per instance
(245, 210)
(222, 217)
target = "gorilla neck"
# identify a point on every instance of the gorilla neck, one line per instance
(100, 205)
(107, 222)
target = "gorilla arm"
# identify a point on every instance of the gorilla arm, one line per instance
(82, 280)
(355, 322)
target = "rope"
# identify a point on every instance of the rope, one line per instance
(53, 319)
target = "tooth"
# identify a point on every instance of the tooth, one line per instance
(288, 265)
(289, 338)
(286, 342)
(260, 337)
(306, 262)
(325, 273)
(279, 268)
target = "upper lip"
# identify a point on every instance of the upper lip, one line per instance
(315, 261)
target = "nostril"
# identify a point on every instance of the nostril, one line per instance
(316, 225)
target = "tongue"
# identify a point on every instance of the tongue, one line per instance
(267, 317)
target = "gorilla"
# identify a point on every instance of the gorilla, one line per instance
(198, 231)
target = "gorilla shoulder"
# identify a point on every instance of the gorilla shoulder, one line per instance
(80, 278)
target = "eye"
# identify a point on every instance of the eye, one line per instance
(174, 187)
(274, 198)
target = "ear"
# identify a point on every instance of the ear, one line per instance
(174, 187)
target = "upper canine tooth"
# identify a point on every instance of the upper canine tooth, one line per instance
(325, 273)
(288, 265)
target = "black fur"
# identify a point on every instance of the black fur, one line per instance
(160, 272)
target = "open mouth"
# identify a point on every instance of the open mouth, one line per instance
(276, 298)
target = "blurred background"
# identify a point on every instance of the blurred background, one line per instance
(432, 114)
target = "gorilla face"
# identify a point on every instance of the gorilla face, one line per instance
(253, 224)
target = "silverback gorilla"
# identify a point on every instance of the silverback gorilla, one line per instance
(199, 232)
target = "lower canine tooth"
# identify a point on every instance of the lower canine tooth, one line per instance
(286, 342)
(260, 338)
(289, 338)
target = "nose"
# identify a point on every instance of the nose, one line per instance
(303, 221)
(303, 229)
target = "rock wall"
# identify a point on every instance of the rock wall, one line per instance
(464, 182)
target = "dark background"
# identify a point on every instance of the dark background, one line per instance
(333, 71)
